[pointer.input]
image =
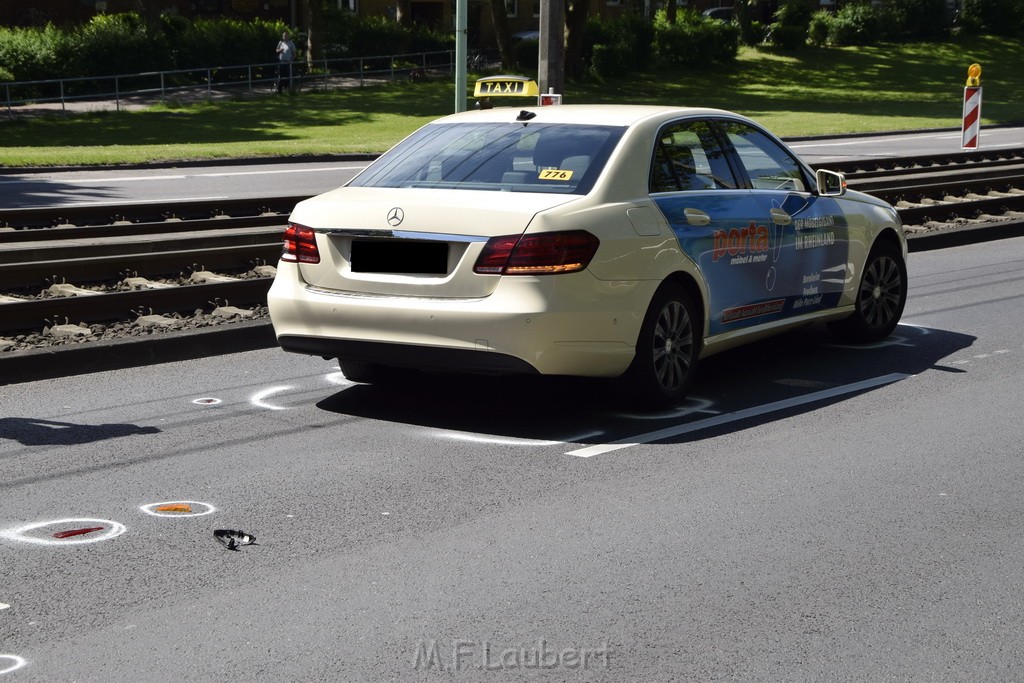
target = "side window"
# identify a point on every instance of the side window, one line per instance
(687, 156)
(769, 166)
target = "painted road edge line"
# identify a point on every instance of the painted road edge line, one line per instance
(744, 414)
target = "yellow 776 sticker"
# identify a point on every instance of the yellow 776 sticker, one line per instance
(554, 174)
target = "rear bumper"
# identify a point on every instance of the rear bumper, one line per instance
(558, 325)
(406, 355)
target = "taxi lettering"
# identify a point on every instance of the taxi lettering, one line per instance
(504, 88)
(737, 241)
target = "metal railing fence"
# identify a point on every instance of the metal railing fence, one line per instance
(248, 78)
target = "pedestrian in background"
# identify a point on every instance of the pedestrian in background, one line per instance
(285, 57)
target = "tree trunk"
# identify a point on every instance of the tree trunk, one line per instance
(502, 34)
(576, 12)
(313, 17)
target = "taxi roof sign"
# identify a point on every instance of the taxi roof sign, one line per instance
(506, 86)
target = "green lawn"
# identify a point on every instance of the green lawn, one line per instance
(810, 92)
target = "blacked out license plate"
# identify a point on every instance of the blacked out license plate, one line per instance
(406, 257)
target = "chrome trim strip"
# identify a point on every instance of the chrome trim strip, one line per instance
(399, 235)
(395, 297)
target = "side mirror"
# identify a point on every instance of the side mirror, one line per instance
(830, 183)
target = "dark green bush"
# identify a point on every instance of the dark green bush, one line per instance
(818, 29)
(629, 36)
(526, 54)
(115, 44)
(856, 24)
(792, 19)
(32, 54)
(915, 19)
(608, 61)
(788, 37)
(999, 17)
(5, 75)
(228, 42)
(694, 40)
(374, 36)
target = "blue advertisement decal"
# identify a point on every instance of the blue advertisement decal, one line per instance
(756, 269)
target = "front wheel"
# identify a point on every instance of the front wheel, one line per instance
(880, 298)
(667, 349)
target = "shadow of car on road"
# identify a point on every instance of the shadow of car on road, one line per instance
(807, 363)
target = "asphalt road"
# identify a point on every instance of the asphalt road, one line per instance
(211, 182)
(815, 512)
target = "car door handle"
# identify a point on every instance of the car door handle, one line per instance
(696, 217)
(780, 217)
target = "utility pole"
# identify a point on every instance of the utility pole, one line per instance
(551, 68)
(461, 53)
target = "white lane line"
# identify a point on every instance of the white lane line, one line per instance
(873, 140)
(224, 174)
(258, 399)
(493, 440)
(4, 605)
(747, 413)
(277, 172)
(127, 179)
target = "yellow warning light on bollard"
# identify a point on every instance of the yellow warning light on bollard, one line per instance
(974, 75)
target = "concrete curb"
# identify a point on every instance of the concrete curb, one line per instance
(77, 359)
(116, 354)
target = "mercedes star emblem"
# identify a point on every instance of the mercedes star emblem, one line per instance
(396, 216)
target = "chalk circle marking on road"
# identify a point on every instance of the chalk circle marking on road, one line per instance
(178, 508)
(207, 401)
(9, 663)
(61, 535)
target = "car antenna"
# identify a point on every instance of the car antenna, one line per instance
(526, 115)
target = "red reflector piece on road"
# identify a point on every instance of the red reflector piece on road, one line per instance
(77, 532)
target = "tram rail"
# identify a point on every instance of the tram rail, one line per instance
(124, 262)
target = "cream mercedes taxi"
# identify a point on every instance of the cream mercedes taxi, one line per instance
(607, 241)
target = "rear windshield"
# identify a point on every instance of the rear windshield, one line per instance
(554, 158)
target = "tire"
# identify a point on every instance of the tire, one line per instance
(666, 350)
(881, 296)
(365, 373)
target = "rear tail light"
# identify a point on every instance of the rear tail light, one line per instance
(540, 254)
(300, 245)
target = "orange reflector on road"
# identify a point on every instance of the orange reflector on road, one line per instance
(174, 507)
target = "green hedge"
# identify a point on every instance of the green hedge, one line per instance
(694, 40)
(111, 44)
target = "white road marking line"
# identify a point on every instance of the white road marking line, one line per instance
(276, 172)
(1001, 351)
(127, 179)
(4, 605)
(258, 398)
(493, 440)
(983, 355)
(679, 430)
(873, 140)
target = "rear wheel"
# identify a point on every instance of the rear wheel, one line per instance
(880, 298)
(666, 350)
(365, 373)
